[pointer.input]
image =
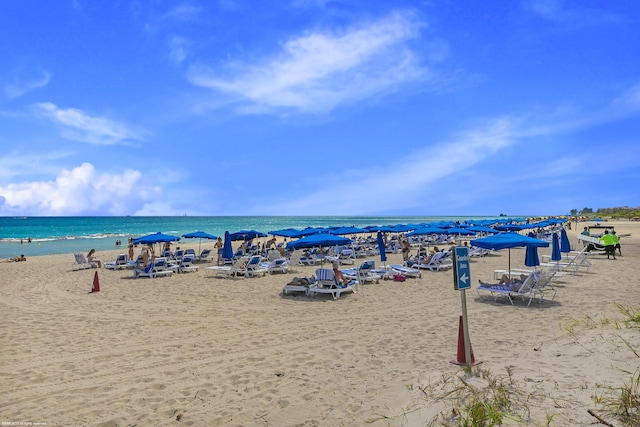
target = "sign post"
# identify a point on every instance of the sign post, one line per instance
(462, 282)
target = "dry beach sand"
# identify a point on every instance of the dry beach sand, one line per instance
(199, 351)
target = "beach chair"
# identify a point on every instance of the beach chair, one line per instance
(238, 268)
(364, 273)
(507, 290)
(122, 261)
(326, 284)
(435, 263)
(299, 285)
(186, 265)
(161, 268)
(204, 256)
(279, 265)
(253, 267)
(82, 263)
(144, 272)
(406, 271)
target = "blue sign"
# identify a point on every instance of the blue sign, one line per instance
(461, 271)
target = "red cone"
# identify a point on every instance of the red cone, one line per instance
(461, 358)
(96, 283)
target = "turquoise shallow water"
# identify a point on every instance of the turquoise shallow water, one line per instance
(55, 235)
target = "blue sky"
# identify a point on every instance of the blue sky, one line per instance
(312, 107)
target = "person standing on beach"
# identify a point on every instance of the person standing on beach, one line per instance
(130, 248)
(406, 248)
(219, 246)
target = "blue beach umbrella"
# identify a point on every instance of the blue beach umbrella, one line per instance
(531, 256)
(199, 235)
(287, 232)
(246, 235)
(151, 239)
(318, 240)
(565, 245)
(555, 248)
(348, 230)
(381, 248)
(227, 250)
(508, 241)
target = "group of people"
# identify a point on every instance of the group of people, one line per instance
(16, 258)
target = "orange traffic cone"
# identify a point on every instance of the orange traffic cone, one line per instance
(461, 358)
(96, 283)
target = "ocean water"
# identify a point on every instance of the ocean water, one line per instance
(57, 235)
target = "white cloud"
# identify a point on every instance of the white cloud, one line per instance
(178, 49)
(79, 126)
(79, 191)
(320, 70)
(25, 81)
(407, 185)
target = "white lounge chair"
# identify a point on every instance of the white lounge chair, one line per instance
(435, 263)
(144, 272)
(238, 268)
(299, 285)
(122, 261)
(253, 267)
(535, 285)
(406, 271)
(364, 273)
(279, 265)
(205, 256)
(326, 284)
(186, 265)
(160, 268)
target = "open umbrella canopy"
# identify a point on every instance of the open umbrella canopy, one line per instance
(199, 235)
(427, 230)
(348, 230)
(481, 229)
(246, 235)
(510, 227)
(286, 232)
(309, 231)
(154, 238)
(458, 231)
(318, 240)
(507, 240)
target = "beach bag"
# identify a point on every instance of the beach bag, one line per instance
(399, 277)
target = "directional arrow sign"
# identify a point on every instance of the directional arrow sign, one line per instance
(461, 273)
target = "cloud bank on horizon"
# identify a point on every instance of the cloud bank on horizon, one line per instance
(319, 108)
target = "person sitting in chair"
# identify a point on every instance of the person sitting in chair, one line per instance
(513, 283)
(340, 278)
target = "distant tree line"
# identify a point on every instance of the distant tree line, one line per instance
(618, 212)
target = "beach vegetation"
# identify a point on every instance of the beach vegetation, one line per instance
(478, 398)
(610, 401)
